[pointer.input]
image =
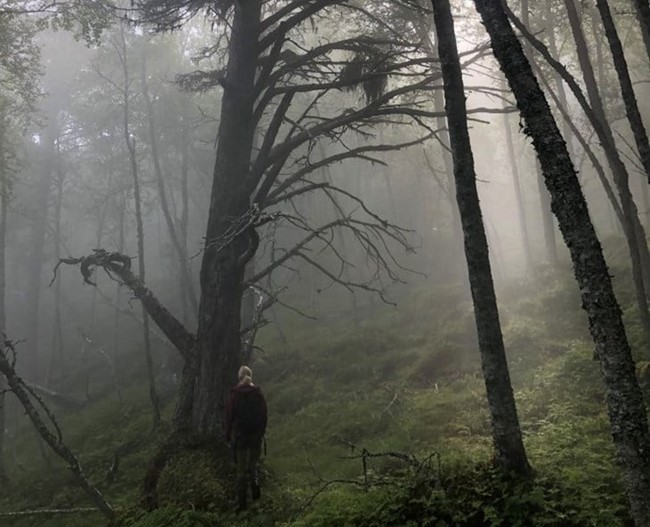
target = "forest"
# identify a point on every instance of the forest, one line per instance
(324, 263)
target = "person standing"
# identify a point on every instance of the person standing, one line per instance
(246, 418)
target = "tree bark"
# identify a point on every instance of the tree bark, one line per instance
(627, 91)
(130, 145)
(212, 370)
(625, 406)
(506, 433)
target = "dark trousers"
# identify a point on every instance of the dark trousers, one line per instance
(247, 455)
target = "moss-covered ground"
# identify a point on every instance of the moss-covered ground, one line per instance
(404, 380)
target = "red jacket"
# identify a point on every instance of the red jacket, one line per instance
(231, 404)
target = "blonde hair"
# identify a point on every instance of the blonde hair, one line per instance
(245, 375)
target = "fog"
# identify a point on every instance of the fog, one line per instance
(361, 232)
(72, 192)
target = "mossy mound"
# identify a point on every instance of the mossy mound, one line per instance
(197, 479)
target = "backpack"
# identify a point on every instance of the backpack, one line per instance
(249, 413)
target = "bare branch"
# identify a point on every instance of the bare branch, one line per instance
(24, 394)
(119, 265)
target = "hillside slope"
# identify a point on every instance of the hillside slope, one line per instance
(405, 381)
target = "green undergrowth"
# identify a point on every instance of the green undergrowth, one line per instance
(404, 380)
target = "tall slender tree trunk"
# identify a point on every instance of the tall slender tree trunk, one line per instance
(456, 227)
(184, 223)
(625, 406)
(544, 198)
(598, 43)
(551, 24)
(32, 360)
(212, 368)
(162, 193)
(643, 14)
(634, 231)
(130, 145)
(57, 354)
(4, 201)
(627, 91)
(521, 211)
(506, 433)
(598, 167)
(120, 212)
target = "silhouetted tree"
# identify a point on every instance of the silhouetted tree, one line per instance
(506, 433)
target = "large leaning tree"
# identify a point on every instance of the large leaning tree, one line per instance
(283, 72)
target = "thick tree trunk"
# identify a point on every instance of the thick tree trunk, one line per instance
(509, 448)
(625, 406)
(130, 145)
(213, 367)
(636, 240)
(521, 211)
(627, 91)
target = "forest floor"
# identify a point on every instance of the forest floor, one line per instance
(405, 380)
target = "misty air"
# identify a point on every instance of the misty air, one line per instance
(324, 263)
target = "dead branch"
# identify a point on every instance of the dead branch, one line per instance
(275, 196)
(65, 401)
(118, 267)
(108, 359)
(24, 394)
(260, 306)
(48, 512)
